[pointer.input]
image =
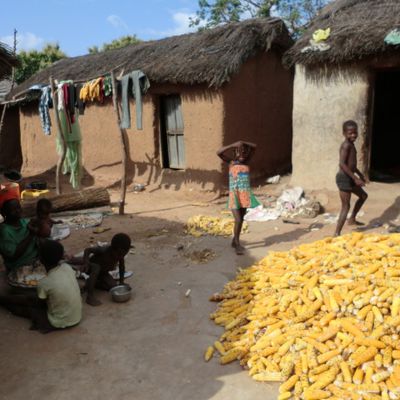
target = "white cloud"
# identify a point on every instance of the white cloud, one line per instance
(181, 22)
(25, 41)
(117, 22)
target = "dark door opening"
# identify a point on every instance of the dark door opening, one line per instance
(385, 146)
(172, 139)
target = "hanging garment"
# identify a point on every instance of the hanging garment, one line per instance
(140, 85)
(79, 103)
(45, 103)
(95, 89)
(73, 139)
(60, 96)
(71, 102)
(107, 86)
(84, 92)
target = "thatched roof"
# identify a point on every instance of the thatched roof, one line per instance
(7, 60)
(209, 56)
(358, 30)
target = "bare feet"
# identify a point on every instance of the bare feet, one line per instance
(353, 221)
(93, 301)
(239, 250)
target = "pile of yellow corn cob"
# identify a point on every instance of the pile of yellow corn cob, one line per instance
(323, 318)
(206, 225)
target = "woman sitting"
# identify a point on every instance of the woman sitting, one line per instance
(18, 245)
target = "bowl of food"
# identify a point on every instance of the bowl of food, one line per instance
(121, 293)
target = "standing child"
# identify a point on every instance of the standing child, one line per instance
(349, 179)
(98, 261)
(238, 155)
(43, 221)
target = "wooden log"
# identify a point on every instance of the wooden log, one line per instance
(87, 198)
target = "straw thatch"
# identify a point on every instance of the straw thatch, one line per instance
(7, 60)
(209, 56)
(358, 29)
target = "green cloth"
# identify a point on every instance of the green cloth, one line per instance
(107, 86)
(10, 238)
(61, 291)
(73, 159)
(393, 37)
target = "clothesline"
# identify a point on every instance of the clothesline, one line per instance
(15, 99)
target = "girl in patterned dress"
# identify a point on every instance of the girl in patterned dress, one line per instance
(237, 155)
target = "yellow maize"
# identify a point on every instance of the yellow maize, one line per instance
(357, 360)
(289, 384)
(209, 353)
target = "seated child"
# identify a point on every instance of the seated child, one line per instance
(58, 302)
(43, 222)
(98, 261)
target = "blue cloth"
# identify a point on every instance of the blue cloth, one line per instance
(393, 37)
(45, 103)
(140, 85)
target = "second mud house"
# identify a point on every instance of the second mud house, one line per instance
(352, 74)
(207, 89)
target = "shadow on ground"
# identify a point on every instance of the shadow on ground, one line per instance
(150, 348)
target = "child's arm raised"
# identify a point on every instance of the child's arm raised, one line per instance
(221, 153)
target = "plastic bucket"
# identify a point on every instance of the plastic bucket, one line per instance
(9, 191)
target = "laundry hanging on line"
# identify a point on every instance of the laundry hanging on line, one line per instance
(70, 130)
(96, 89)
(140, 85)
(45, 103)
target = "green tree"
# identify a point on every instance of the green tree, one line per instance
(115, 44)
(34, 61)
(296, 13)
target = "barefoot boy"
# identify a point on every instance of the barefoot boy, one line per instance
(349, 179)
(98, 261)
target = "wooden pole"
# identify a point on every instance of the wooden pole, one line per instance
(61, 159)
(123, 145)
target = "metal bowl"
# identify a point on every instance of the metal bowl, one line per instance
(121, 293)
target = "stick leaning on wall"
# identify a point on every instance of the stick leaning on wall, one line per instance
(123, 145)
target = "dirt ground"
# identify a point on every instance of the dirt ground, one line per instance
(152, 347)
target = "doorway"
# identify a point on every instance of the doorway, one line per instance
(385, 144)
(172, 138)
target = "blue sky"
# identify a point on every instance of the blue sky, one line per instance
(79, 24)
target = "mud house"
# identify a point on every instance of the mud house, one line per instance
(10, 152)
(354, 74)
(207, 89)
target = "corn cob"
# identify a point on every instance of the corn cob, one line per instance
(289, 384)
(220, 347)
(209, 353)
(316, 394)
(365, 356)
(285, 396)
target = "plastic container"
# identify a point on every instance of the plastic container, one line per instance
(9, 191)
(29, 194)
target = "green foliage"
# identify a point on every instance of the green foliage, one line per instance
(115, 44)
(296, 13)
(34, 61)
